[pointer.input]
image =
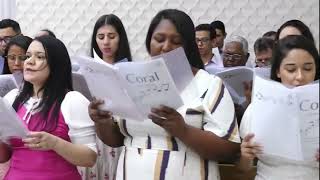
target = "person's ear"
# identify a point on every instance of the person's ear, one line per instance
(225, 35)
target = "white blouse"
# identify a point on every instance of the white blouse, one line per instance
(276, 168)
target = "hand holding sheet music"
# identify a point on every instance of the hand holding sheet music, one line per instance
(131, 89)
(286, 121)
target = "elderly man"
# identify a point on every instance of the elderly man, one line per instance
(235, 51)
(8, 29)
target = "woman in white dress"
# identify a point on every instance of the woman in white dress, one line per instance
(295, 63)
(109, 43)
(176, 146)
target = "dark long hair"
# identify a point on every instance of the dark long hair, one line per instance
(56, 86)
(20, 41)
(285, 45)
(185, 28)
(123, 47)
(303, 28)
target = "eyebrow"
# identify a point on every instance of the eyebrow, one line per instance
(37, 52)
(292, 64)
(107, 33)
(164, 34)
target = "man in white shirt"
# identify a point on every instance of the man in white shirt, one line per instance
(205, 38)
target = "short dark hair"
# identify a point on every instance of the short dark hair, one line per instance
(7, 23)
(123, 47)
(303, 28)
(185, 28)
(50, 33)
(263, 44)
(285, 45)
(270, 34)
(21, 41)
(218, 25)
(56, 86)
(206, 27)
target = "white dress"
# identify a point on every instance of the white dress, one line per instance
(106, 165)
(150, 153)
(276, 168)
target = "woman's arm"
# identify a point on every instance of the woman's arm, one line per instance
(81, 150)
(205, 143)
(76, 154)
(209, 145)
(107, 130)
(5, 152)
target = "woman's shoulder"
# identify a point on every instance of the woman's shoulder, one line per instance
(75, 96)
(75, 107)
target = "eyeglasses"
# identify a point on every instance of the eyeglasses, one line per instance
(202, 40)
(236, 57)
(6, 39)
(263, 62)
(13, 58)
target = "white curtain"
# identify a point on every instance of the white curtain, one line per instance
(7, 9)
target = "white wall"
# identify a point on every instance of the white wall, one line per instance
(73, 20)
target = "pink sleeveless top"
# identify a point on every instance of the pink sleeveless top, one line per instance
(27, 164)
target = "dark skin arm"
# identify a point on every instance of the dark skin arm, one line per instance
(5, 152)
(107, 130)
(205, 143)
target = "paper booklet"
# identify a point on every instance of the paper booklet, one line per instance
(179, 67)
(286, 120)
(10, 123)
(7, 83)
(130, 89)
(235, 77)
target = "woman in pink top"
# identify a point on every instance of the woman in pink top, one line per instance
(14, 55)
(62, 135)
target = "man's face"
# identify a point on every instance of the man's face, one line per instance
(263, 58)
(5, 35)
(219, 39)
(233, 55)
(205, 44)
